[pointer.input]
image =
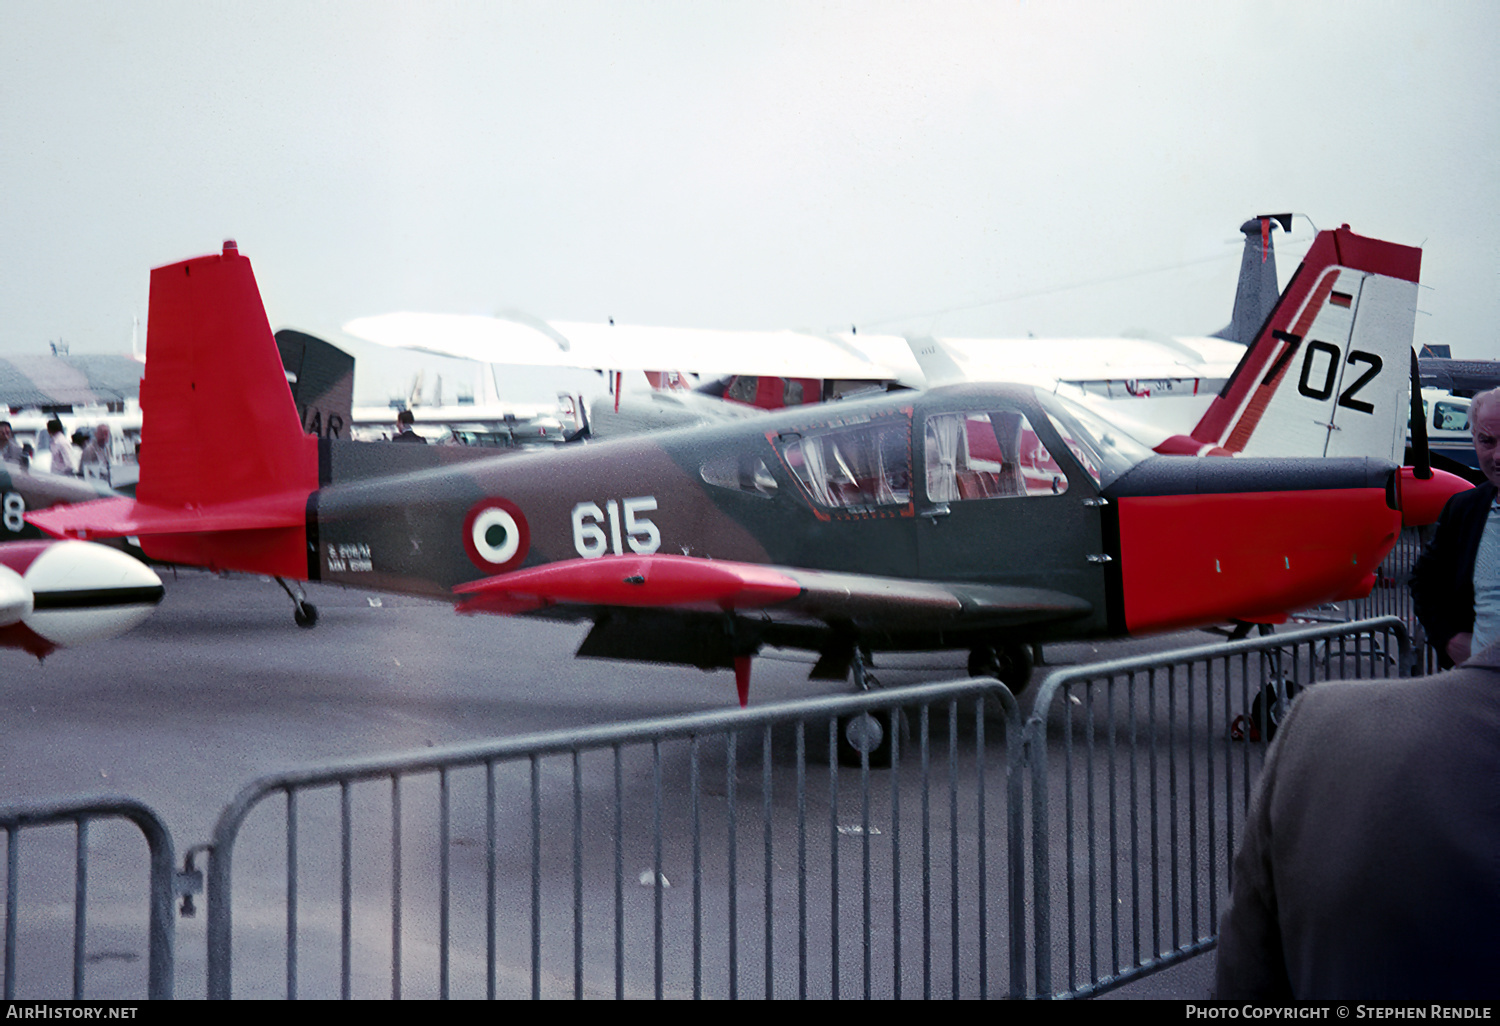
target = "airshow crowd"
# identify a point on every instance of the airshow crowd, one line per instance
(94, 450)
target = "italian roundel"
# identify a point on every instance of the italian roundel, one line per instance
(496, 536)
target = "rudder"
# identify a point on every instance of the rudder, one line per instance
(1326, 375)
(220, 424)
(226, 473)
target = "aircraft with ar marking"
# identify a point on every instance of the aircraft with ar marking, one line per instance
(979, 517)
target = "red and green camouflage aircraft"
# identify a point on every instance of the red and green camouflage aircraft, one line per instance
(976, 517)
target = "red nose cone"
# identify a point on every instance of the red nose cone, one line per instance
(1422, 500)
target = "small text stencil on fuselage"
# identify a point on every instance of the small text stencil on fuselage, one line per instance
(348, 557)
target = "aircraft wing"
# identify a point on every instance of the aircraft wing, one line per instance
(529, 342)
(1046, 360)
(692, 584)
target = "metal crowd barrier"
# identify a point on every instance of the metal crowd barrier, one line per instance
(1152, 762)
(81, 812)
(1391, 595)
(735, 854)
(765, 868)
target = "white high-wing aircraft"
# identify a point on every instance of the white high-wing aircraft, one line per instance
(782, 368)
(1168, 391)
(1114, 367)
(804, 366)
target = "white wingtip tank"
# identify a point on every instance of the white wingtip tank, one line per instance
(59, 594)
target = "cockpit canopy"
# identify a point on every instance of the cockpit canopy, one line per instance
(977, 442)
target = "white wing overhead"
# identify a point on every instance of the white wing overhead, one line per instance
(799, 354)
(1138, 366)
(527, 342)
(1156, 357)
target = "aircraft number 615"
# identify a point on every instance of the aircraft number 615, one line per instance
(589, 536)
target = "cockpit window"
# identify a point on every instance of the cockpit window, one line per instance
(993, 455)
(857, 466)
(1105, 451)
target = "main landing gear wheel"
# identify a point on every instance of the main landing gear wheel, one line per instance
(1267, 710)
(1271, 706)
(868, 735)
(1009, 664)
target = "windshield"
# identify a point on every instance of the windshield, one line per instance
(1105, 451)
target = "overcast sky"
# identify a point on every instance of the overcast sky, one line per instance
(983, 169)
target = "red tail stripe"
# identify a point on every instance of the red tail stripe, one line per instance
(1261, 398)
(1215, 424)
(1340, 247)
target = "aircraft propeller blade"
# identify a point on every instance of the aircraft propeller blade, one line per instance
(1421, 492)
(1421, 455)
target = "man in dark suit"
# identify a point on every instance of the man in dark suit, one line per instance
(1443, 583)
(404, 432)
(1370, 864)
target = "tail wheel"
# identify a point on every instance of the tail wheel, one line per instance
(306, 615)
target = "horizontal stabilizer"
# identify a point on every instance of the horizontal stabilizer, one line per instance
(114, 518)
(202, 501)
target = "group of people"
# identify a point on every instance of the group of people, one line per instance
(1370, 860)
(93, 460)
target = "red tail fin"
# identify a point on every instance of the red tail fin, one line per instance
(1318, 362)
(225, 468)
(220, 423)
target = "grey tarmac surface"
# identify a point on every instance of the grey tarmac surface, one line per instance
(219, 687)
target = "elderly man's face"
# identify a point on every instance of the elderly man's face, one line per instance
(1486, 429)
(101, 434)
(4, 433)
